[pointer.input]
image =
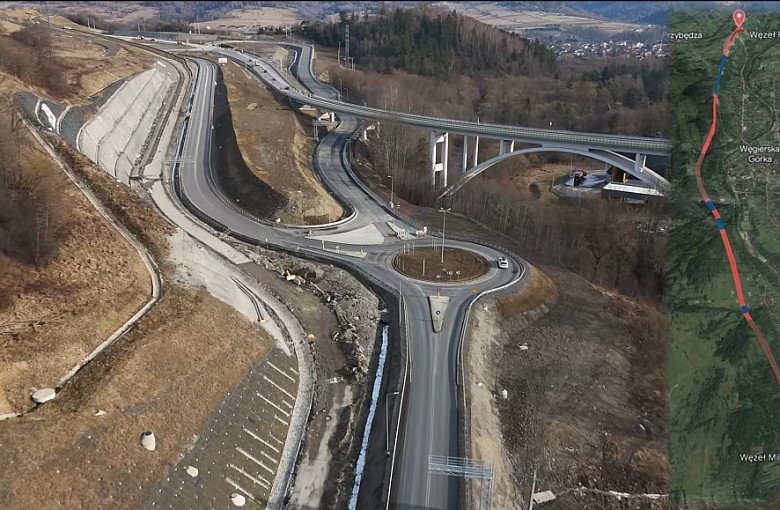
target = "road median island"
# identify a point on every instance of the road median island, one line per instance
(438, 306)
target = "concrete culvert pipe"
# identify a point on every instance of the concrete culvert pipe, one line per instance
(237, 499)
(148, 441)
(43, 395)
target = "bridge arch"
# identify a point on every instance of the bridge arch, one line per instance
(640, 171)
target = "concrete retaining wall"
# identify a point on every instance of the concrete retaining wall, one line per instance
(116, 136)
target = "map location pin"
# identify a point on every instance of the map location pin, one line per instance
(739, 17)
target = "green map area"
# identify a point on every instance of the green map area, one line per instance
(725, 399)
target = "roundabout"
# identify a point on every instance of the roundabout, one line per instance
(429, 311)
(426, 264)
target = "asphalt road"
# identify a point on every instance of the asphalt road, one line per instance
(655, 146)
(601, 147)
(431, 425)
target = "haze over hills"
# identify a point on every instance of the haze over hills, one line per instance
(642, 13)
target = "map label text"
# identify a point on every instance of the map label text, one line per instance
(758, 153)
(763, 35)
(759, 457)
(683, 36)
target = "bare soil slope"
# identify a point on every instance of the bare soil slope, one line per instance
(277, 148)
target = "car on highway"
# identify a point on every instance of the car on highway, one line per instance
(503, 263)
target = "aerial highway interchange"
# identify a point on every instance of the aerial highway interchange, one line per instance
(431, 397)
(429, 391)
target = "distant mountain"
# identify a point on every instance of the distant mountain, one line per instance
(645, 13)
(654, 13)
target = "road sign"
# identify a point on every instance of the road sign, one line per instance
(473, 291)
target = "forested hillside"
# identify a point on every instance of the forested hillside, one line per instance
(432, 42)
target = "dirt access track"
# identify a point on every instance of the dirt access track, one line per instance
(276, 144)
(96, 280)
(166, 375)
(82, 449)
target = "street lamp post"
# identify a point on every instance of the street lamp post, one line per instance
(443, 229)
(387, 421)
(392, 189)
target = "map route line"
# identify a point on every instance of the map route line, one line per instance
(718, 220)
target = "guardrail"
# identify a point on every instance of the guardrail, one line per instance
(385, 291)
(404, 333)
(378, 286)
(616, 142)
(343, 202)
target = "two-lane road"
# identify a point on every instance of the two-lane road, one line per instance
(323, 96)
(431, 425)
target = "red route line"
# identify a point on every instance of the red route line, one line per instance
(726, 244)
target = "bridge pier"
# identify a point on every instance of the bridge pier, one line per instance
(639, 163)
(502, 147)
(464, 167)
(439, 166)
(465, 163)
(329, 116)
(370, 127)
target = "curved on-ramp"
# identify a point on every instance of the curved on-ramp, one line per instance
(430, 404)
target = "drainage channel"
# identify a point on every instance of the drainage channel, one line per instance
(361, 462)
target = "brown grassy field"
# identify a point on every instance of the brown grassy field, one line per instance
(109, 11)
(508, 19)
(84, 67)
(90, 69)
(60, 312)
(166, 375)
(57, 313)
(263, 16)
(540, 291)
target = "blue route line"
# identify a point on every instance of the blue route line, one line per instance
(720, 73)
